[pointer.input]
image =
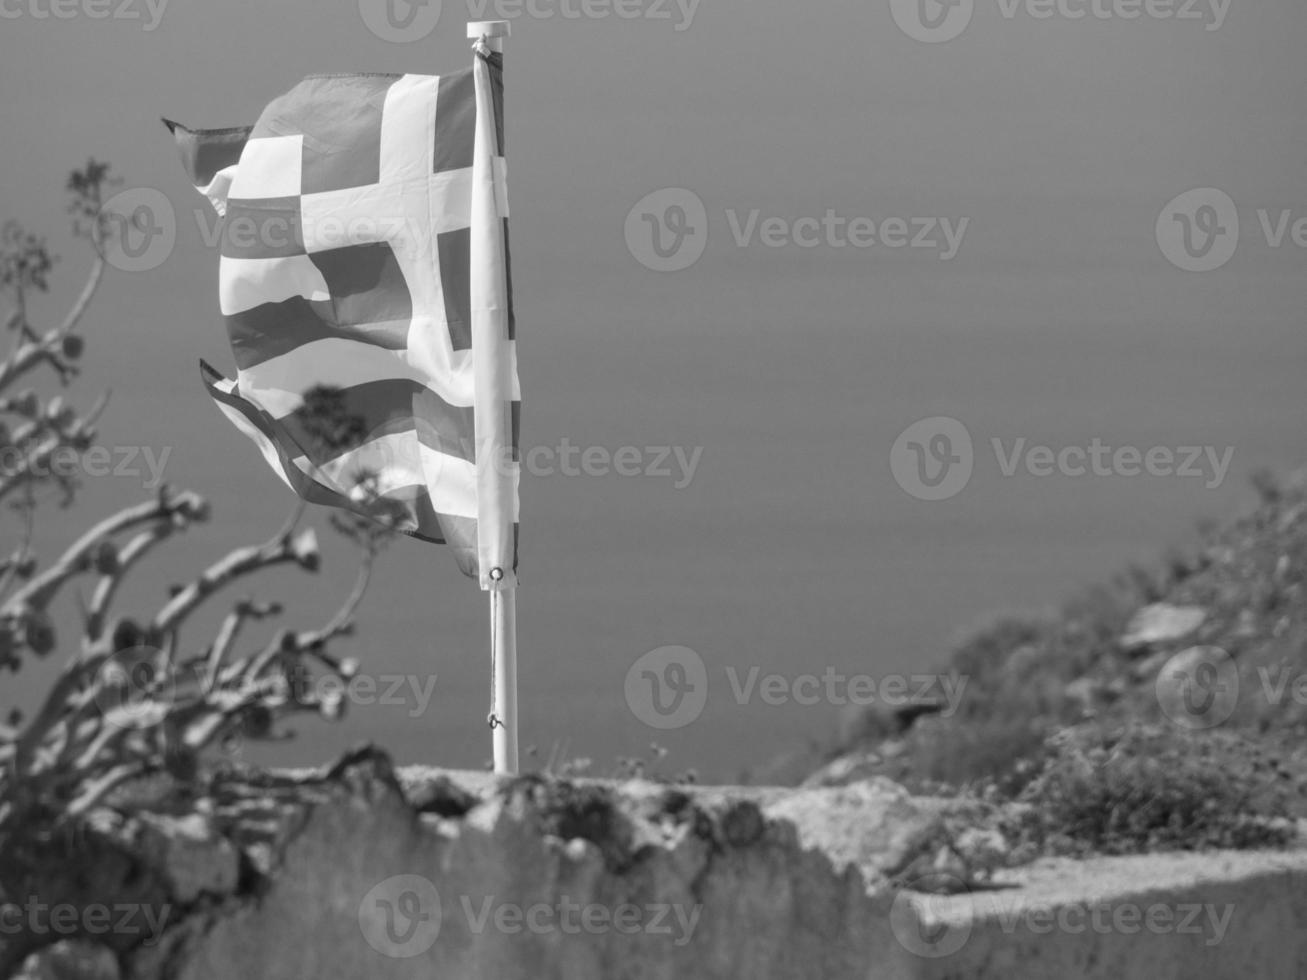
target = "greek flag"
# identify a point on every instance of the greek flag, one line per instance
(364, 266)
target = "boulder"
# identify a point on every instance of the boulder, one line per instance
(1161, 623)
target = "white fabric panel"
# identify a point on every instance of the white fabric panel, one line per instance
(246, 283)
(270, 166)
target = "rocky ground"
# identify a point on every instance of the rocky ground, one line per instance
(217, 876)
(1208, 652)
(362, 870)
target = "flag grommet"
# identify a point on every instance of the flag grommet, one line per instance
(496, 574)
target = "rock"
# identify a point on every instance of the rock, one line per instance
(846, 769)
(875, 825)
(983, 847)
(70, 959)
(190, 857)
(442, 796)
(1161, 623)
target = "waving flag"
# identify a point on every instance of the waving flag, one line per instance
(364, 265)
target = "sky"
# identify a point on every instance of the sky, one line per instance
(1036, 289)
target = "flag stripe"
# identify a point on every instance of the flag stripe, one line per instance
(278, 383)
(341, 117)
(272, 329)
(456, 117)
(257, 229)
(244, 284)
(454, 250)
(368, 291)
(383, 407)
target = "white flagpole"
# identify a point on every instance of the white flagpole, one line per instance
(502, 584)
(503, 632)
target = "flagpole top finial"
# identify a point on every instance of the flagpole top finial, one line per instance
(488, 28)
